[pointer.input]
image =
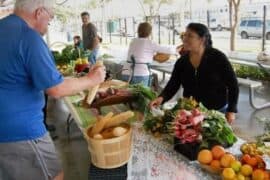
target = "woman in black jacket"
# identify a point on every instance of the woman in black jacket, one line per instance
(205, 73)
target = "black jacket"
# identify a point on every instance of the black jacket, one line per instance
(213, 83)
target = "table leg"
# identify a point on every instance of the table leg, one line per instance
(69, 121)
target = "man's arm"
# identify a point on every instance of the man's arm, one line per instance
(72, 86)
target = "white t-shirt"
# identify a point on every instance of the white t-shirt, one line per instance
(143, 50)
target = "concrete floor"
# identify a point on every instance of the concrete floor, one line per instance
(74, 153)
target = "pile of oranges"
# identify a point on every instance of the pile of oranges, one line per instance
(248, 167)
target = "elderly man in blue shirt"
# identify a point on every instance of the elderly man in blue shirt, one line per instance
(27, 70)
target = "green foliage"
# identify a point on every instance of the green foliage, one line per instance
(160, 124)
(245, 71)
(67, 54)
(188, 104)
(63, 13)
(215, 130)
(143, 96)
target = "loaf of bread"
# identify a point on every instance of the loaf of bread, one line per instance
(93, 91)
(100, 124)
(119, 131)
(119, 118)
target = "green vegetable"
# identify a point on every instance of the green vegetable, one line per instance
(144, 90)
(215, 130)
(161, 124)
(143, 96)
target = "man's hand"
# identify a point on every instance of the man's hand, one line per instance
(97, 74)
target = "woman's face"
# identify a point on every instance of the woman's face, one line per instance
(192, 41)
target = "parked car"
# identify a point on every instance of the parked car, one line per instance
(218, 24)
(253, 27)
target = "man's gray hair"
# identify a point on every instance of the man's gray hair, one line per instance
(32, 5)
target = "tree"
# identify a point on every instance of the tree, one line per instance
(153, 5)
(234, 16)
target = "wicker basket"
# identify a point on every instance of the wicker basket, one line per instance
(161, 57)
(110, 153)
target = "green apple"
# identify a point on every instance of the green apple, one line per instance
(240, 176)
(236, 165)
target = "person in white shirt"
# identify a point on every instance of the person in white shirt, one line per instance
(140, 56)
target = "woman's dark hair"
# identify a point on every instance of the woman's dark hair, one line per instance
(202, 31)
(144, 30)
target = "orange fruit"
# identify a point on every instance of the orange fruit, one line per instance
(226, 160)
(246, 170)
(218, 152)
(245, 158)
(228, 173)
(215, 164)
(259, 158)
(252, 162)
(266, 175)
(258, 174)
(205, 156)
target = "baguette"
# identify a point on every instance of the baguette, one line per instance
(119, 118)
(92, 91)
(107, 133)
(99, 126)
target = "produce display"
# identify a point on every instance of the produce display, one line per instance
(136, 95)
(197, 132)
(160, 124)
(216, 130)
(81, 64)
(251, 149)
(229, 166)
(64, 59)
(65, 69)
(191, 122)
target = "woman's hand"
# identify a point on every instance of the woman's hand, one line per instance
(156, 102)
(230, 116)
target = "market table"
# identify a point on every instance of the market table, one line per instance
(152, 158)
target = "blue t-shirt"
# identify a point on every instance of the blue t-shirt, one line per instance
(26, 70)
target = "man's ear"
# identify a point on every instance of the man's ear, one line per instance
(38, 13)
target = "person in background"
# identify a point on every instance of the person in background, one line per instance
(205, 73)
(27, 71)
(140, 56)
(90, 37)
(77, 42)
(181, 48)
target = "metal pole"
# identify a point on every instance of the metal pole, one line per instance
(146, 18)
(159, 39)
(208, 18)
(110, 30)
(125, 21)
(120, 31)
(264, 28)
(173, 28)
(169, 31)
(134, 28)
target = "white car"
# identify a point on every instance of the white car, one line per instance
(253, 27)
